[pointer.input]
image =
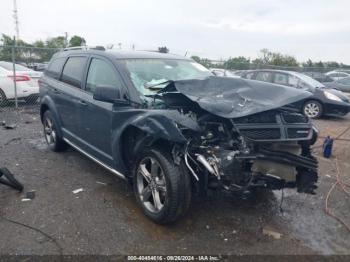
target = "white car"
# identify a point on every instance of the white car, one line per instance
(26, 82)
(336, 75)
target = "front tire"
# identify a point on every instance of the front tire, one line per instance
(313, 109)
(53, 140)
(161, 187)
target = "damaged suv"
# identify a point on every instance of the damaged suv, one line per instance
(171, 128)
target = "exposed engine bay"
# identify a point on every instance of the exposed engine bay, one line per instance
(268, 149)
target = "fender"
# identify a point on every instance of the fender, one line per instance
(46, 101)
(158, 124)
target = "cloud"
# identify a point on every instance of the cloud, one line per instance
(316, 29)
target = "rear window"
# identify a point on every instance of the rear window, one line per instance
(55, 67)
(73, 71)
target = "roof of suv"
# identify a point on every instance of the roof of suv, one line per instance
(121, 54)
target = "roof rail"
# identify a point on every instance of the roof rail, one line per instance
(101, 48)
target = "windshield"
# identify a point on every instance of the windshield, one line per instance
(150, 75)
(309, 80)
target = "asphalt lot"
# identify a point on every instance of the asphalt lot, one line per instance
(104, 217)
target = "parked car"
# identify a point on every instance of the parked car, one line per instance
(22, 70)
(336, 75)
(222, 72)
(172, 129)
(27, 88)
(342, 84)
(324, 101)
(38, 66)
(320, 77)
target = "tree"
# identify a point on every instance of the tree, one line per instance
(56, 42)
(77, 41)
(163, 49)
(237, 63)
(203, 61)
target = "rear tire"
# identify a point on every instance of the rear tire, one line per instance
(313, 109)
(53, 140)
(162, 188)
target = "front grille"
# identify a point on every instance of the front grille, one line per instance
(262, 134)
(293, 118)
(298, 132)
(266, 118)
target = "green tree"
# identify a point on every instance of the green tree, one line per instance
(203, 61)
(237, 63)
(56, 42)
(77, 41)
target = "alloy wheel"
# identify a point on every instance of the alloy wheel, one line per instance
(312, 110)
(49, 131)
(151, 185)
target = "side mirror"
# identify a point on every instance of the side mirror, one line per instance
(107, 94)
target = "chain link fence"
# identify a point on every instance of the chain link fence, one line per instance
(20, 70)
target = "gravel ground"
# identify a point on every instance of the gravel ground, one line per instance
(104, 218)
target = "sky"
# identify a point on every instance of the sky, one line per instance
(315, 29)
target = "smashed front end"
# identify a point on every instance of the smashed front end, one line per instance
(269, 150)
(246, 139)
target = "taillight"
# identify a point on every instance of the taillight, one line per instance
(20, 78)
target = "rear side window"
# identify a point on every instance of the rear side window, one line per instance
(344, 81)
(73, 71)
(281, 79)
(102, 73)
(55, 67)
(250, 75)
(263, 76)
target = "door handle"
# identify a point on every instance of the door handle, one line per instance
(82, 102)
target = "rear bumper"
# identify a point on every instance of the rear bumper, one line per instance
(28, 91)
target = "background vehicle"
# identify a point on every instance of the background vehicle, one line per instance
(335, 75)
(27, 88)
(320, 77)
(22, 70)
(324, 101)
(166, 124)
(342, 84)
(222, 72)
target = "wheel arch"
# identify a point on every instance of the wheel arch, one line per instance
(48, 104)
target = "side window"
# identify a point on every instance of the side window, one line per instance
(293, 81)
(344, 81)
(73, 71)
(55, 67)
(249, 75)
(263, 76)
(281, 79)
(101, 73)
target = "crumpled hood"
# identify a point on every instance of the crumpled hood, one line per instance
(236, 97)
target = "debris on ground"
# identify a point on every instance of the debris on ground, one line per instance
(30, 194)
(10, 126)
(267, 231)
(101, 183)
(12, 140)
(26, 199)
(76, 191)
(7, 178)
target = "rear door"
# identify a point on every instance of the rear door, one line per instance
(96, 116)
(68, 94)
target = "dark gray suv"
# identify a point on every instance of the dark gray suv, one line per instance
(173, 130)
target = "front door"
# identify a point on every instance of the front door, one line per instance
(96, 116)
